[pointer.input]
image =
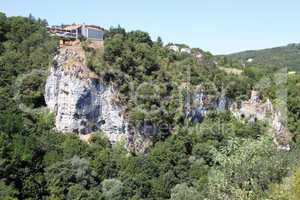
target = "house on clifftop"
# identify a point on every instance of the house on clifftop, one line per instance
(75, 31)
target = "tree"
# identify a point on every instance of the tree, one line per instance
(140, 37)
(245, 169)
(288, 189)
(77, 192)
(159, 41)
(75, 171)
(114, 31)
(183, 192)
(7, 192)
(112, 189)
(3, 27)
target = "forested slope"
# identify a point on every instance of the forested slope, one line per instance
(278, 57)
(237, 160)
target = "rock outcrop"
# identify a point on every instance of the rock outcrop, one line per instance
(81, 102)
(255, 110)
(197, 108)
(251, 110)
(201, 103)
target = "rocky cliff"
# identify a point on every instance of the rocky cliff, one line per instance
(255, 109)
(81, 102)
(251, 110)
(200, 103)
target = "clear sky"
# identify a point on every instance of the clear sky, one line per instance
(219, 26)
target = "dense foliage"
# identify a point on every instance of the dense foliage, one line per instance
(237, 160)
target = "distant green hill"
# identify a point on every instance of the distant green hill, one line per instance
(274, 57)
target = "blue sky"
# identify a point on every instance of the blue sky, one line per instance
(219, 26)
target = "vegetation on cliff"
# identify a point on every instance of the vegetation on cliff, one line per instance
(188, 161)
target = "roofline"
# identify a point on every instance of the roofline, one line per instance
(95, 27)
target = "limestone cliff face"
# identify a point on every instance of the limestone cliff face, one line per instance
(255, 110)
(201, 103)
(251, 110)
(81, 102)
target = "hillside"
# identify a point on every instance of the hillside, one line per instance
(138, 120)
(288, 56)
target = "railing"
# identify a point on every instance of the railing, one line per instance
(62, 33)
(66, 35)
